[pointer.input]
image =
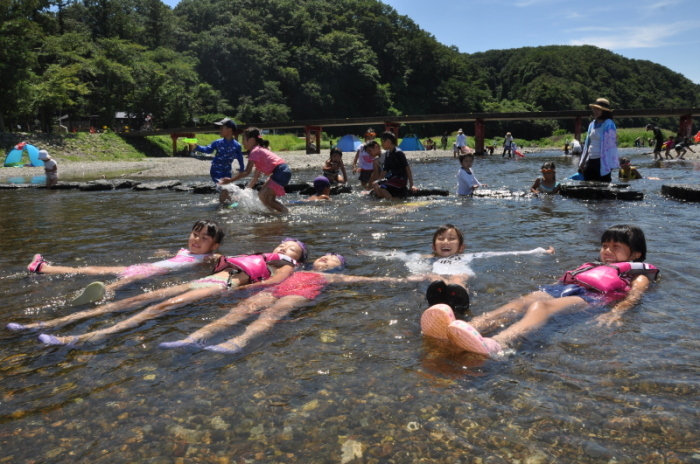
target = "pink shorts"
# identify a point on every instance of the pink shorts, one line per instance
(277, 188)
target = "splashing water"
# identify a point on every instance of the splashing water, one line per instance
(246, 199)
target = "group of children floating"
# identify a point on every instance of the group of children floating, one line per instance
(275, 284)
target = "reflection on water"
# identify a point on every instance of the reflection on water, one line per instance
(350, 375)
(27, 180)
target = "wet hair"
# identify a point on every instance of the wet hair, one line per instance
(212, 228)
(550, 165)
(336, 151)
(444, 228)
(388, 135)
(371, 143)
(302, 245)
(254, 133)
(624, 161)
(630, 235)
(466, 156)
(265, 143)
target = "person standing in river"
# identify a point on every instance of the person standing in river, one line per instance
(658, 140)
(600, 149)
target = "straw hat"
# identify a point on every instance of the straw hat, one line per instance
(601, 103)
(459, 131)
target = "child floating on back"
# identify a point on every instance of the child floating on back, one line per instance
(621, 277)
(204, 240)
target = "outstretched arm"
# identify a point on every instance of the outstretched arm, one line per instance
(639, 285)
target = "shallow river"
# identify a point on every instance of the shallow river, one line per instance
(350, 376)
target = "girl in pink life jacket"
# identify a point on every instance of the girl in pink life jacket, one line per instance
(273, 268)
(622, 252)
(275, 303)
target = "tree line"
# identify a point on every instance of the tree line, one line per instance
(280, 60)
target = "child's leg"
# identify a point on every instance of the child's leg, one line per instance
(269, 198)
(495, 319)
(537, 314)
(266, 320)
(123, 305)
(134, 321)
(40, 267)
(381, 192)
(239, 312)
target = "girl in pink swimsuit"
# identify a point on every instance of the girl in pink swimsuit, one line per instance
(265, 162)
(205, 238)
(280, 264)
(275, 303)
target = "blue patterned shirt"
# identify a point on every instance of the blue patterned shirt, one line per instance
(225, 154)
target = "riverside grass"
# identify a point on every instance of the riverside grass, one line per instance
(109, 146)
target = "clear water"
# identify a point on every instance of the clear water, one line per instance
(350, 375)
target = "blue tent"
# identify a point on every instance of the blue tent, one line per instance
(14, 158)
(349, 143)
(411, 143)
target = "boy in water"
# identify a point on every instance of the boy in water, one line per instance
(396, 172)
(227, 149)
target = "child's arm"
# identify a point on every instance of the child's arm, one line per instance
(248, 169)
(409, 174)
(351, 279)
(355, 167)
(327, 165)
(254, 180)
(639, 286)
(533, 189)
(342, 169)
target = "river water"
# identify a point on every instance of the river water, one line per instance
(349, 378)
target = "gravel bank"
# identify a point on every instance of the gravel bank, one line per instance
(176, 167)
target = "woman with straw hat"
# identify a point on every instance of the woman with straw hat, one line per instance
(600, 149)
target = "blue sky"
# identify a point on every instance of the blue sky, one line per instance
(663, 31)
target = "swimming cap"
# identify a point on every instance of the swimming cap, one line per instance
(320, 183)
(302, 245)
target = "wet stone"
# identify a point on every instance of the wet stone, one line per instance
(596, 451)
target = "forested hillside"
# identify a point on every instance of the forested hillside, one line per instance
(273, 60)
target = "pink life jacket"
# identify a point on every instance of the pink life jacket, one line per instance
(609, 278)
(255, 266)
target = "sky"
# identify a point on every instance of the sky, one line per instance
(663, 31)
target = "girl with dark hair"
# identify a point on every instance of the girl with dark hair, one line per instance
(600, 149)
(548, 182)
(265, 162)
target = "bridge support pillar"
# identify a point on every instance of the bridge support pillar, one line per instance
(177, 136)
(686, 126)
(479, 134)
(310, 148)
(392, 127)
(577, 128)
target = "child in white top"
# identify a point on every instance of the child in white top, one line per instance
(466, 182)
(50, 168)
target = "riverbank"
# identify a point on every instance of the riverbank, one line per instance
(177, 167)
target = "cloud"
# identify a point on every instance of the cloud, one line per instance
(617, 38)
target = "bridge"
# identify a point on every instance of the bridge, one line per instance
(313, 128)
